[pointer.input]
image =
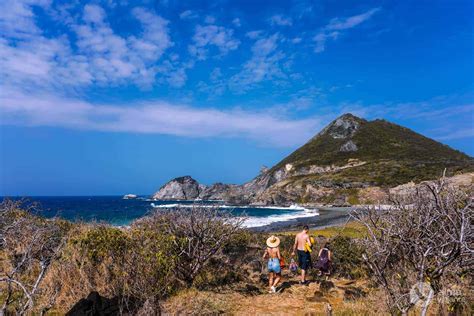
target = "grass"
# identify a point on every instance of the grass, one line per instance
(351, 230)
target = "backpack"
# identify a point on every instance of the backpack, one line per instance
(293, 266)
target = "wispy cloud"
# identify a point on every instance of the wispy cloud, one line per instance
(281, 20)
(236, 22)
(458, 134)
(212, 35)
(264, 127)
(335, 27)
(188, 15)
(265, 64)
(339, 24)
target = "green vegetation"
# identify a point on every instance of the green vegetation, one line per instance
(393, 154)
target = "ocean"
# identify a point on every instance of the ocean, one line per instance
(121, 212)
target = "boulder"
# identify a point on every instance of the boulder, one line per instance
(326, 286)
(182, 188)
(95, 305)
(352, 293)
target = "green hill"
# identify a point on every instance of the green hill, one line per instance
(392, 154)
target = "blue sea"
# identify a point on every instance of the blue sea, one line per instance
(121, 212)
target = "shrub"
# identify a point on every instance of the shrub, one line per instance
(347, 258)
(422, 239)
(102, 242)
(198, 235)
(28, 246)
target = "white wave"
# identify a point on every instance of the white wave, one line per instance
(179, 205)
(182, 206)
(263, 221)
(253, 221)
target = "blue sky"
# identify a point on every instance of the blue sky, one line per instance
(115, 97)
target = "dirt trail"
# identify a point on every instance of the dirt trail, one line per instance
(296, 299)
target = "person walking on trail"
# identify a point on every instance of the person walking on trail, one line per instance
(324, 260)
(303, 247)
(274, 269)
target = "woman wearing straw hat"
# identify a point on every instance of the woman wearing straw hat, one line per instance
(274, 269)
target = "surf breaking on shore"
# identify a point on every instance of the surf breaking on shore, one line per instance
(289, 213)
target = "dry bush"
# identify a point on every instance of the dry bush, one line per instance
(132, 265)
(53, 264)
(426, 237)
(28, 246)
(198, 235)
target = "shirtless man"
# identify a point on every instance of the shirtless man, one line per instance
(304, 257)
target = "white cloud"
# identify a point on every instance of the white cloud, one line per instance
(113, 58)
(212, 35)
(97, 56)
(320, 40)
(187, 15)
(338, 24)
(254, 34)
(216, 73)
(335, 27)
(281, 20)
(236, 22)
(265, 64)
(296, 40)
(17, 18)
(458, 134)
(155, 117)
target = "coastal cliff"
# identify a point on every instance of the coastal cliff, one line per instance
(351, 161)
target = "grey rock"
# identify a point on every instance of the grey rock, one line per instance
(349, 146)
(343, 127)
(182, 188)
(217, 191)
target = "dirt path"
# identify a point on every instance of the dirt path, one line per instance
(345, 297)
(296, 299)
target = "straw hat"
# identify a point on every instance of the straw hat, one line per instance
(273, 241)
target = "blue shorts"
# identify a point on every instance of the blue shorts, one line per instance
(274, 265)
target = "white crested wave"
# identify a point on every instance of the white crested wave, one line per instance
(253, 221)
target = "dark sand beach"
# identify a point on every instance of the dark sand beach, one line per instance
(327, 217)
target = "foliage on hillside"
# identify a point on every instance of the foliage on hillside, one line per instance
(394, 155)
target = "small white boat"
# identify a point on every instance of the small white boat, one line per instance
(129, 196)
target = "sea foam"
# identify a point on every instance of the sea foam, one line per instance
(253, 221)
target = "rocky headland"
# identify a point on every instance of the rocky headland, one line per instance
(352, 161)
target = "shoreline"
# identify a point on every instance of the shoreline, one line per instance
(327, 217)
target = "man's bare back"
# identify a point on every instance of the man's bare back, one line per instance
(301, 239)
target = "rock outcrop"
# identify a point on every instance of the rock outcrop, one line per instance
(182, 188)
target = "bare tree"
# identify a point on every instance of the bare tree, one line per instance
(198, 235)
(29, 244)
(417, 241)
